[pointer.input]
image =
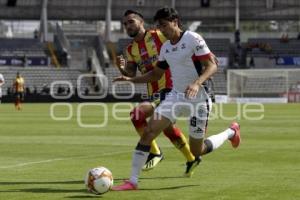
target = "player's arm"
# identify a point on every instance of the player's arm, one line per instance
(126, 68)
(210, 66)
(151, 76)
(208, 62)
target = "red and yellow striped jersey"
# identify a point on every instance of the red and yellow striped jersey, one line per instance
(144, 54)
(19, 84)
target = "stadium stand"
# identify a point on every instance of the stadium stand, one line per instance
(122, 44)
(220, 46)
(95, 9)
(220, 83)
(23, 52)
(21, 44)
(39, 78)
(74, 42)
(273, 46)
(113, 72)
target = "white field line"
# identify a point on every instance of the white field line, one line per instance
(30, 163)
(59, 159)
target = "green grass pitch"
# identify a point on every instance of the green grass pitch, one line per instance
(42, 158)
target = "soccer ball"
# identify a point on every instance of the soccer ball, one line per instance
(98, 180)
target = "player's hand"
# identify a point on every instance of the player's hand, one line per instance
(121, 62)
(122, 78)
(192, 90)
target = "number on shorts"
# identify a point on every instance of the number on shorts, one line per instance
(193, 121)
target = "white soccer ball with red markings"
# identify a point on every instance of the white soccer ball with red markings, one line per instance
(99, 180)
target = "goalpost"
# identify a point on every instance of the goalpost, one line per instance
(269, 85)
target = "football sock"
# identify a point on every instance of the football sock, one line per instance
(140, 156)
(185, 150)
(183, 146)
(154, 147)
(219, 139)
(19, 105)
(139, 121)
(179, 141)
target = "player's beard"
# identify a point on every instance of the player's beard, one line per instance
(133, 33)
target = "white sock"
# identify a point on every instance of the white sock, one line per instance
(138, 161)
(219, 139)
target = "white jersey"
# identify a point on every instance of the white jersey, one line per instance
(184, 59)
(1, 83)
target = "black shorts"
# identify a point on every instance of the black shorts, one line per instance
(19, 95)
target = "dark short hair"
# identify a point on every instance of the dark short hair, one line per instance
(167, 14)
(128, 12)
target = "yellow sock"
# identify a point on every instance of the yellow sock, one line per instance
(182, 145)
(154, 149)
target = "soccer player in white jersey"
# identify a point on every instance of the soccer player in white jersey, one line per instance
(191, 64)
(2, 81)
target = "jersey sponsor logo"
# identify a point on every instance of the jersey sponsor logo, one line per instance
(199, 47)
(148, 61)
(174, 49)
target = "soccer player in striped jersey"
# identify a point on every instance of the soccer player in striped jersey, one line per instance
(19, 89)
(192, 64)
(142, 54)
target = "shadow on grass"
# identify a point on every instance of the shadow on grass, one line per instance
(41, 182)
(151, 178)
(47, 190)
(80, 181)
(85, 194)
(84, 197)
(168, 188)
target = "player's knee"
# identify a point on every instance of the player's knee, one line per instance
(207, 147)
(138, 117)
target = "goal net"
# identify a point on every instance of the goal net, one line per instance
(264, 83)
